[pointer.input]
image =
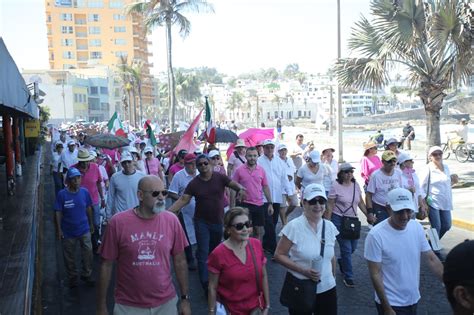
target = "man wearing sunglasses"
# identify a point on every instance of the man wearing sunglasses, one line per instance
(393, 250)
(122, 194)
(380, 183)
(208, 190)
(142, 241)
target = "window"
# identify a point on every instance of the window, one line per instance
(66, 30)
(116, 4)
(80, 3)
(104, 90)
(121, 54)
(119, 29)
(95, 42)
(117, 92)
(104, 106)
(120, 41)
(95, 4)
(93, 18)
(66, 17)
(68, 55)
(48, 18)
(94, 30)
(67, 42)
(96, 55)
(94, 103)
(119, 17)
(93, 90)
(67, 66)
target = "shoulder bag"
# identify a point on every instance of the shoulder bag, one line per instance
(257, 310)
(428, 199)
(299, 294)
(350, 227)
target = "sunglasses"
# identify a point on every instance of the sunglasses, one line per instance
(240, 226)
(392, 161)
(315, 201)
(436, 153)
(126, 162)
(156, 193)
(348, 172)
(215, 158)
(202, 163)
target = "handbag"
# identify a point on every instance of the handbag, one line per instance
(350, 227)
(299, 294)
(257, 310)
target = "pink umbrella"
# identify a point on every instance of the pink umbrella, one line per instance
(252, 137)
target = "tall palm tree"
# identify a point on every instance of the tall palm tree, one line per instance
(168, 13)
(432, 39)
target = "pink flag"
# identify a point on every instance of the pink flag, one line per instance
(187, 142)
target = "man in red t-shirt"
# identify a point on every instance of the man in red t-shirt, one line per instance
(208, 190)
(141, 241)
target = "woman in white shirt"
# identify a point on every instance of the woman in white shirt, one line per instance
(411, 182)
(299, 250)
(310, 173)
(436, 182)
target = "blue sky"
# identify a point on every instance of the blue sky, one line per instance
(241, 36)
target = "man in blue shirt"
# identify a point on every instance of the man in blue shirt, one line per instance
(73, 213)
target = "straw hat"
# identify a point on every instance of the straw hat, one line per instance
(369, 145)
(84, 156)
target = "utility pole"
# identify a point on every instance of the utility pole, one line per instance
(64, 96)
(257, 112)
(331, 112)
(338, 88)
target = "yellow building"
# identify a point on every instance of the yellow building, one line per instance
(85, 33)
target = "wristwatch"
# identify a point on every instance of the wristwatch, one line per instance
(185, 297)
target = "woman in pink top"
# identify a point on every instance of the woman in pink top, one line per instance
(235, 266)
(152, 164)
(370, 162)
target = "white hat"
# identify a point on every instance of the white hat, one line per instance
(403, 157)
(400, 199)
(282, 147)
(133, 150)
(93, 153)
(345, 167)
(240, 143)
(126, 157)
(268, 142)
(71, 142)
(213, 153)
(391, 140)
(314, 190)
(434, 149)
(315, 157)
(148, 149)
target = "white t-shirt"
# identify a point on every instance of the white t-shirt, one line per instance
(380, 184)
(307, 246)
(290, 171)
(440, 186)
(399, 252)
(308, 177)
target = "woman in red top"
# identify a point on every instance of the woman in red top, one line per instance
(231, 265)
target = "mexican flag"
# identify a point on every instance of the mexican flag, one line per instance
(149, 132)
(115, 126)
(211, 128)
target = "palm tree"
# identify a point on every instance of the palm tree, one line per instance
(168, 13)
(432, 39)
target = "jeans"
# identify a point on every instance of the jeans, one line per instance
(96, 219)
(440, 220)
(399, 310)
(325, 303)
(347, 248)
(69, 251)
(58, 182)
(208, 236)
(269, 238)
(380, 212)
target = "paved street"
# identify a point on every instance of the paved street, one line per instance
(59, 299)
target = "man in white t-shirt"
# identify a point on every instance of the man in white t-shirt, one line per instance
(393, 250)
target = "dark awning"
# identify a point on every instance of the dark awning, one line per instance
(14, 94)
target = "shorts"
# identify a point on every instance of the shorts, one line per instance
(257, 213)
(168, 308)
(289, 200)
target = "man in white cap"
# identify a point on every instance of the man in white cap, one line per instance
(237, 158)
(393, 250)
(69, 156)
(277, 182)
(123, 187)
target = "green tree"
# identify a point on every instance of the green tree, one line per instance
(235, 101)
(291, 70)
(431, 39)
(168, 13)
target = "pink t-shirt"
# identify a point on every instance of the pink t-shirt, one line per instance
(89, 181)
(142, 249)
(175, 168)
(344, 206)
(253, 181)
(368, 165)
(237, 287)
(152, 167)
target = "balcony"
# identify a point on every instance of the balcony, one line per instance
(81, 22)
(82, 47)
(81, 34)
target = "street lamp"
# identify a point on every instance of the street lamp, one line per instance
(338, 88)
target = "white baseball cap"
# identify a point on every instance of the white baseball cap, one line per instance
(268, 142)
(400, 199)
(434, 149)
(126, 157)
(315, 156)
(148, 149)
(402, 158)
(314, 190)
(213, 153)
(282, 147)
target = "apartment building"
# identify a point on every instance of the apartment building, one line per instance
(88, 33)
